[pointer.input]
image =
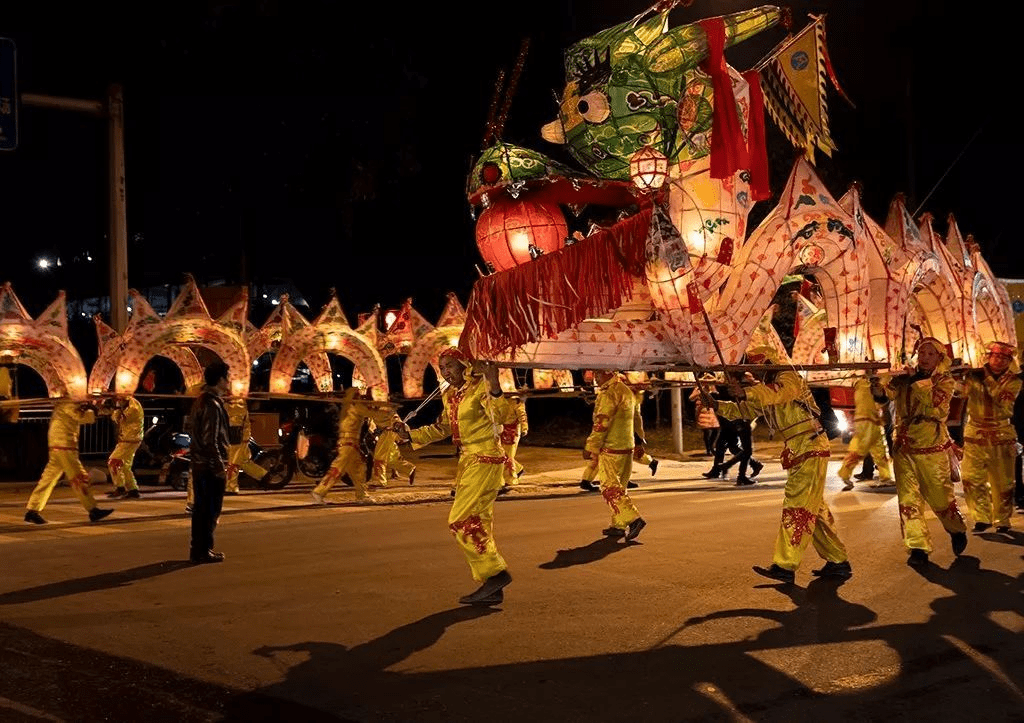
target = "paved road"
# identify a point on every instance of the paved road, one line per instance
(348, 612)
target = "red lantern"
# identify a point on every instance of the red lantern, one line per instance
(512, 232)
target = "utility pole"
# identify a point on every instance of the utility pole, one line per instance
(113, 111)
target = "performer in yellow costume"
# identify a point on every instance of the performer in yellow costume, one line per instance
(510, 435)
(62, 438)
(349, 459)
(473, 407)
(129, 418)
(868, 437)
(640, 454)
(784, 401)
(611, 442)
(921, 442)
(387, 459)
(239, 454)
(990, 441)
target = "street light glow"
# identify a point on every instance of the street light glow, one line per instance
(43, 263)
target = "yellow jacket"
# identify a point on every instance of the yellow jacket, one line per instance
(788, 408)
(67, 417)
(865, 408)
(920, 408)
(470, 416)
(614, 410)
(990, 404)
(129, 421)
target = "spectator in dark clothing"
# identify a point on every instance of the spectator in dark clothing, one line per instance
(744, 436)
(209, 454)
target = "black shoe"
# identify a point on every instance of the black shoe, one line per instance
(756, 467)
(634, 529)
(744, 481)
(505, 489)
(188, 509)
(231, 493)
(495, 599)
(1003, 528)
(588, 486)
(132, 495)
(654, 467)
(864, 476)
(34, 517)
(631, 485)
(492, 586)
(981, 526)
(96, 514)
(117, 492)
(918, 558)
(412, 476)
(959, 540)
(206, 557)
(835, 569)
(451, 493)
(775, 573)
(713, 473)
(615, 532)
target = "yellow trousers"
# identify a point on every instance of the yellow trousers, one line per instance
(471, 518)
(512, 469)
(806, 517)
(924, 478)
(868, 438)
(615, 470)
(590, 471)
(349, 461)
(120, 465)
(62, 463)
(240, 459)
(387, 457)
(988, 477)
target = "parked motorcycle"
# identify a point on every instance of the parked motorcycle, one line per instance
(274, 460)
(164, 448)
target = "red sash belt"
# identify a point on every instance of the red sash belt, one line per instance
(609, 450)
(790, 460)
(489, 459)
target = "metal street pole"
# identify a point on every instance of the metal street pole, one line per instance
(113, 111)
(118, 215)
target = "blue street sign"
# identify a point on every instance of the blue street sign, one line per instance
(8, 96)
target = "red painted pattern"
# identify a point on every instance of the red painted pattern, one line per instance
(115, 465)
(472, 530)
(952, 512)
(612, 495)
(799, 521)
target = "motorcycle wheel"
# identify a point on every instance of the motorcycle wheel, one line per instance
(279, 472)
(315, 464)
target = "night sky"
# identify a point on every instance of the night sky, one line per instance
(272, 140)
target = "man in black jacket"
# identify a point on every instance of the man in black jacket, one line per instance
(209, 454)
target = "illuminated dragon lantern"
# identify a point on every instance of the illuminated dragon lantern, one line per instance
(672, 141)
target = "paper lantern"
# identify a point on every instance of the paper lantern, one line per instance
(511, 232)
(648, 168)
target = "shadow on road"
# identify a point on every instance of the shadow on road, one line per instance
(103, 581)
(959, 659)
(596, 550)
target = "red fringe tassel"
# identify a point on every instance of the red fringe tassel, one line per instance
(556, 291)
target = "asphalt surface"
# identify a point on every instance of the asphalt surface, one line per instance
(348, 611)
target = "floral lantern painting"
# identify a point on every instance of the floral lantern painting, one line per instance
(511, 232)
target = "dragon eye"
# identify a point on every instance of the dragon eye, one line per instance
(594, 107)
